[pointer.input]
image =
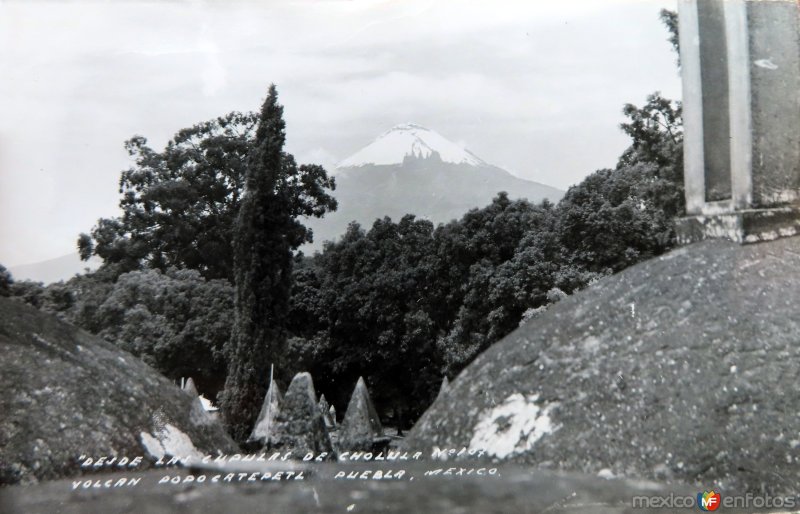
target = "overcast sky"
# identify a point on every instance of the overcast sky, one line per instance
(534, 86)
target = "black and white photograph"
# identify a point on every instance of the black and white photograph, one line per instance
(395, 256)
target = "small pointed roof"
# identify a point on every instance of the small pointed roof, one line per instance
(198, 412)
(190, 388)
(443, 388)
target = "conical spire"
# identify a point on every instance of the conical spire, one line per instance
(190, 388)
(299, 426)
(324, 409)
(269, 413)
(332, 415)
(361, 423)
(444, 388)
(197, 414)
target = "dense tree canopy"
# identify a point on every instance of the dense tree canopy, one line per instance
(176, 321)
(405, 304)
(179, 205)
(364, 308)
(469, 252)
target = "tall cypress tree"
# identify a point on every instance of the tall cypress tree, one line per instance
(266, 234)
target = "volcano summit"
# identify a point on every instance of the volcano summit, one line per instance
(410, 141)
(410, 169)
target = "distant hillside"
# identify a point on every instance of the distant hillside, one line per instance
(412, 170)
(53, 270)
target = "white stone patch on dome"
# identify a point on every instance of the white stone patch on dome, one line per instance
(169, 441)
(207, 405)
(512, 427)
(607, 474)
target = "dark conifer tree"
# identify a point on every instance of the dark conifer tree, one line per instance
(5, 281)
(266, 234)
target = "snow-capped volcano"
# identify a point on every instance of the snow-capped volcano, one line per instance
(413, 170)
(409, 140)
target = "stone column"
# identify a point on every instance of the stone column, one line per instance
(741, 110)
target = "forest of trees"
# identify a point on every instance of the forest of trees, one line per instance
(402, 303)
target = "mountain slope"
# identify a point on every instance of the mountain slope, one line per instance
(412, 170)
(53, 270)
